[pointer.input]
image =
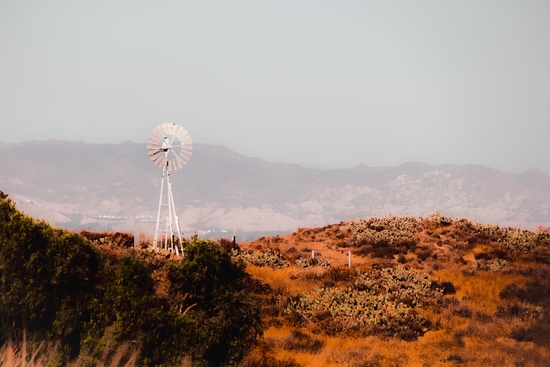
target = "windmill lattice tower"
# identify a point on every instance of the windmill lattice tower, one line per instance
(169, 146)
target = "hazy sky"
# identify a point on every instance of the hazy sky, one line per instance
(324, 83)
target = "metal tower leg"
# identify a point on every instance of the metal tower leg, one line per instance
(170, 214)
(175, 216)
(158, 215)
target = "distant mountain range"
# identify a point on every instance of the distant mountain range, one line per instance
(111, 186)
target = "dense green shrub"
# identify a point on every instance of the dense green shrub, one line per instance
(51, 281)
(209, 286)
(60, 288)
(132, 295)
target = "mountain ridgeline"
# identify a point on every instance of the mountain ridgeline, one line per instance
(80, 185)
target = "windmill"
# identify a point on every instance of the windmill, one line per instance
(169, 146)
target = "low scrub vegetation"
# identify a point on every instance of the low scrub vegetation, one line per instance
(432, 291)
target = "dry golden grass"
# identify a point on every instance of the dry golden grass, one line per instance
(281, 279)
(11, 356)
(467, 328)
(482, 290)
(44, 354)
(435, 348)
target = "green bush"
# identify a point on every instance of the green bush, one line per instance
(209, 286)
(132, 295)
(51, 281)
(60, 288)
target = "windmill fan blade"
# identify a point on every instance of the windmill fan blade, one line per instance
(153, 148)
(181, 134)
(185, 154)
(153, 141)
(162, 162)
(178, 130)
(185, 158)
(186, 150)
(156, 159)
(154, 136)
(159, 132)
(173, 128)
(176, 164)
(167, 128)
(181, 159)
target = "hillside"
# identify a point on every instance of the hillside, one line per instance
(109, 186)
(420, 291)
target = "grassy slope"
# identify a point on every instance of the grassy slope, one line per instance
(491, 317)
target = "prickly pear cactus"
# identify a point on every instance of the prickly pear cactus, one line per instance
(379, 301)
(308, 262)
(269, 258)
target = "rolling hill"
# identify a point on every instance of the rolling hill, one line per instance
(107, 186)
